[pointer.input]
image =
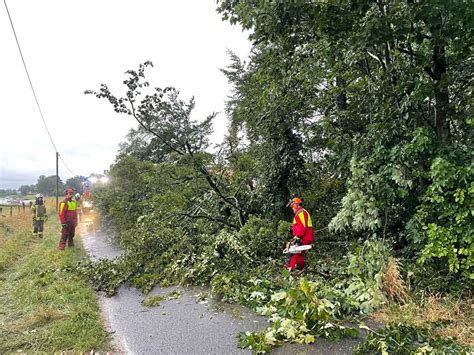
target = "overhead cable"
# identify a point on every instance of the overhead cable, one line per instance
(33, 90)
(29, 79)
(67, 167)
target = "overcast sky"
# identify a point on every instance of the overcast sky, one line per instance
(71, 46)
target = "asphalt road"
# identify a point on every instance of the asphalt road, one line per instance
(185, 325)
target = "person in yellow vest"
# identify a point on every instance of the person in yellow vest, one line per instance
(302, 231)
(38, 213)
(68, 219)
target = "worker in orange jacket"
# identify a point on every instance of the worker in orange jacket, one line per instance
(302, 232)
(68, 219)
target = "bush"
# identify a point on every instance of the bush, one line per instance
(262, 238)
(442, 225)
(408, 339)
(363, 287)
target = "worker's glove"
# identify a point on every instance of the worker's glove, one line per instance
(63, 225)
(296, 240)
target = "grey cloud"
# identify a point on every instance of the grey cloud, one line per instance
(11, 179)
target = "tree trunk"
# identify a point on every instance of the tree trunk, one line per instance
(441, 94)
(341, 98)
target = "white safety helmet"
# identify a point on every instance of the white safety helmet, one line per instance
(39, 196)
(77, 196)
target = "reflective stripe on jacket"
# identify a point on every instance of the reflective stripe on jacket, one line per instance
(38, 212)
(303, 226)
(67, 211)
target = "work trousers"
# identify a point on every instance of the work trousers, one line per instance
(296, 260)
(38, 226)
(67, 233)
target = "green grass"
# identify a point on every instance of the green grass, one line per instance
(44, 307)
(15, 211)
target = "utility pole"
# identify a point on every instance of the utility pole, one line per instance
(57, 181)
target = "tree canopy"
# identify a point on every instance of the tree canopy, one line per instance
(75, 182)
(362, 109)
(378, 93)
(46, 185)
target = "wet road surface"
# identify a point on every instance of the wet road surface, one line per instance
(186, 325)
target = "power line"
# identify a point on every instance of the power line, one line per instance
(67, 167)
(33, 90)
(29, 79)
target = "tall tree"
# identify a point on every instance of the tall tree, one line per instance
(47, 185)
(27, 189)
(388, 85)
(75, 182)
(270, 114)
(167, 132)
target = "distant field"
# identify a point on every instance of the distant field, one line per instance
(18, 209)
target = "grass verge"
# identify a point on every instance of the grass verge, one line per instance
(446, 316)
(43, 306)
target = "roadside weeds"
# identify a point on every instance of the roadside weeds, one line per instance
(44, 307)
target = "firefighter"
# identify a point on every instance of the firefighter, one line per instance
(38, 213)
(68, 219)
(302, 232)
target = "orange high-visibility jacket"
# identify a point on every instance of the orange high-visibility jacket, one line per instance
(303, 226)
(67, 211)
